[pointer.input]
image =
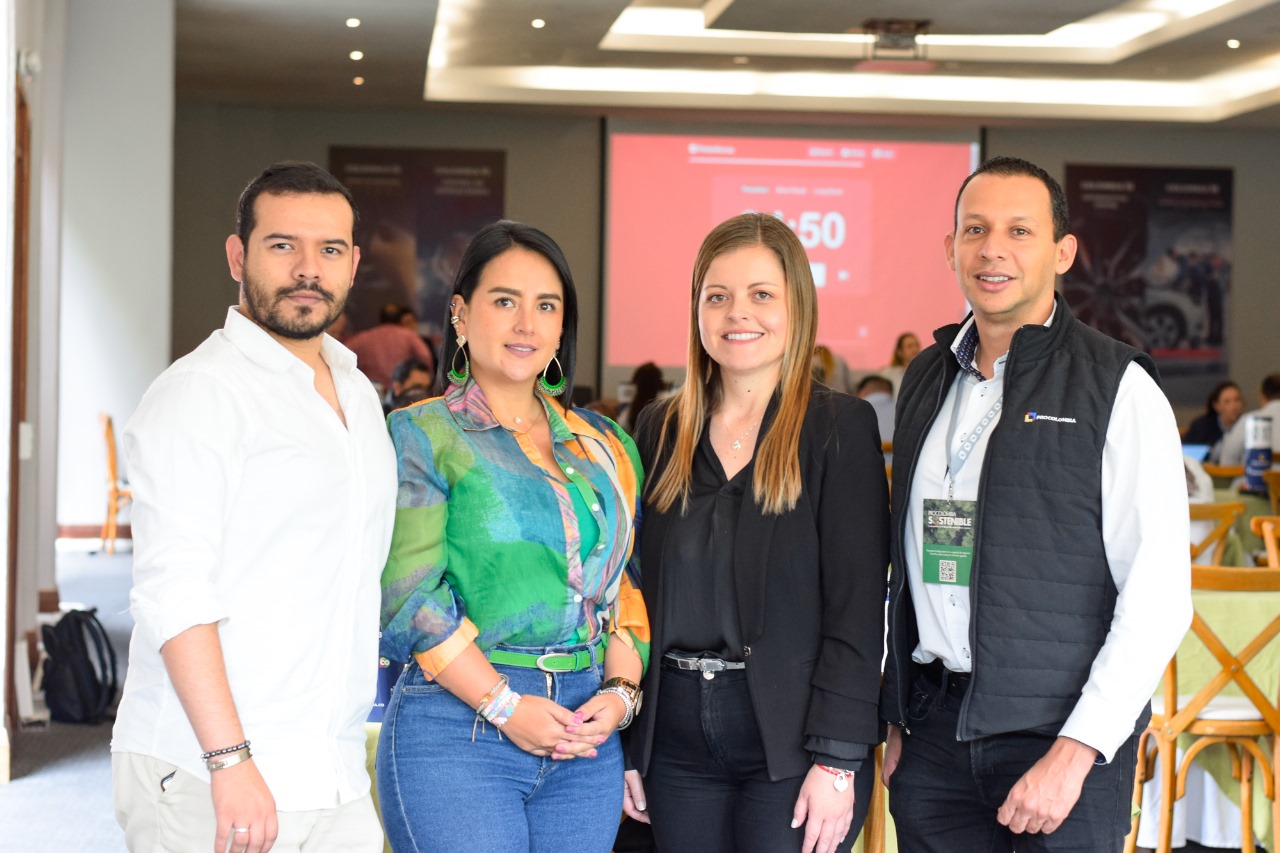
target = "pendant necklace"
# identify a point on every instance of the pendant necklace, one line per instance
(737, 444)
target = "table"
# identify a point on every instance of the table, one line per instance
(1236, 617)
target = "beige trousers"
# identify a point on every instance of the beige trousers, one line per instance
(178, 817)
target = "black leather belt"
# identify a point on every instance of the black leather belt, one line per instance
(952, 683)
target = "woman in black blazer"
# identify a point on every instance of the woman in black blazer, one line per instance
(763, 555)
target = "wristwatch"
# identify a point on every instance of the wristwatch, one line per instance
(630, 694)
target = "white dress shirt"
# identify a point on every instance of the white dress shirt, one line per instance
(1232, 452)
(257, 510)
(1145, 529)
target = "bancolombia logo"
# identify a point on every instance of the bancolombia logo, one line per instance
(1031, 417)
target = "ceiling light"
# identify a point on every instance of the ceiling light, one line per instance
(353, 22)
(740, 60)
(537, 23)
(1233, 43)
(357, 55)
(359, 81)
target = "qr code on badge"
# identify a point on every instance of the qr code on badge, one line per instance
(947, 571)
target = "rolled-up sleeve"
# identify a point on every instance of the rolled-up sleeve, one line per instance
(181, 451)
(421, 614)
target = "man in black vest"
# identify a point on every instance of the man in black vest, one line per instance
(1041, 577)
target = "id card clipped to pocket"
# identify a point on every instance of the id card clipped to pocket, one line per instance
(948, 541)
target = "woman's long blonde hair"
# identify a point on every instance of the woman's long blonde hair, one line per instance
(776, 484)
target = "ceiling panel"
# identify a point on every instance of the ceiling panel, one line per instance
(958, 17)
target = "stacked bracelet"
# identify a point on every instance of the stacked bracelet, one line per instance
(627, 703)
(214, 753)
(228, 759)
(499, 703)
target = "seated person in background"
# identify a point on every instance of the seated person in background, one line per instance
(878, 391)
(648, 383)
(380, 349)
(831, 370)
(410, 382)
(1232, 452)
(904, 349)
(1222, 410)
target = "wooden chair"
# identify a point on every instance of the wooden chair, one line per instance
(1272, 479)
(1237, 722)
(1223, 472)
(1267, 528)
(118, 492)
(1225, 516)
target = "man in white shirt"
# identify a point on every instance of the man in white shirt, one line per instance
(264, 491)
(1041, 577)
(1232, 452)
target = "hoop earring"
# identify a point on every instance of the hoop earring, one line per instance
(456, 376)
(549, 388)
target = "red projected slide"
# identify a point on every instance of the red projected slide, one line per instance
(871, 216)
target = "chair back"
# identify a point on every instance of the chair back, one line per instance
(1272, 479)
(109, 433)
(1223, 516)
(1233, 669)
(1267, 528)
(1223, 472)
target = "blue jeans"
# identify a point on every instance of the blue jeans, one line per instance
(440, 791)
(945, 793)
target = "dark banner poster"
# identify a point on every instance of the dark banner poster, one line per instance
(418, 209)
(1154, 266)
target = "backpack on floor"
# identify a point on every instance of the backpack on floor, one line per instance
(80, 672)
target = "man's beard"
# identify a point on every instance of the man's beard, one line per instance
(308, 322)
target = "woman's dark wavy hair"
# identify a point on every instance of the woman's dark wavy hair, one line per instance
(488, 243)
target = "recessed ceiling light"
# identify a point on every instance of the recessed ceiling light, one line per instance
(359, 81)
(1233, 43)
(740, 60)
(353, 22)
(537, 23)
(357, 55)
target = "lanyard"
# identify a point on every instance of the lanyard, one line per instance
(956, 460)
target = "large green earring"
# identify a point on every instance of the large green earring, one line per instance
(553, 389)
(456, 376)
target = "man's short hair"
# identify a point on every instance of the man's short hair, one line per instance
(1271, 387)
(391, 312)
(874, 382)
(404, 368)
(285, 178)
(1010, 167)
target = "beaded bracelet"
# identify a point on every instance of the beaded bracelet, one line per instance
(205, 756)
(500, 708)
(843, 777)
(229, 760)
(503, 682)
(621, 693)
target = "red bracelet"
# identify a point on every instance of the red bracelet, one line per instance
(843, 777)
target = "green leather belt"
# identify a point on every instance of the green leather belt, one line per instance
(549, 662)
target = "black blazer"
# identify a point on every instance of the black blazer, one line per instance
(810, 587)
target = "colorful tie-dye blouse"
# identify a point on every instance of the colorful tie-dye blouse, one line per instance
(486, 545)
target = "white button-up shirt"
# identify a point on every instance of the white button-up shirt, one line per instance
(1145, 530)
(257, 510)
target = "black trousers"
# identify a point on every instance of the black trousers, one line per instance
(708, 788)
(945, 793)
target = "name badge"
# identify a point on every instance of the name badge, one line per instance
(948, 541)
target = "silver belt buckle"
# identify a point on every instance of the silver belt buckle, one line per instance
(709, 667)
(542, 658)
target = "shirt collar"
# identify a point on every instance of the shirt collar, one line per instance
(965, 346)
(472, 411)
(259, 347)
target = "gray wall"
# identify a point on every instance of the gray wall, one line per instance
(553, 181)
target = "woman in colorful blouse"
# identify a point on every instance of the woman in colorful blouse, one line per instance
(505, 588)
(764, 555)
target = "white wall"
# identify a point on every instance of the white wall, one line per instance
(117, 228)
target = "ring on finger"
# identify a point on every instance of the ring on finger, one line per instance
(239, 829)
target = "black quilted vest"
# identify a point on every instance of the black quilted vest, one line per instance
(1041, 593)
